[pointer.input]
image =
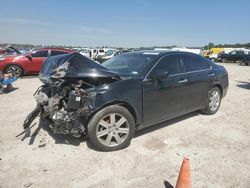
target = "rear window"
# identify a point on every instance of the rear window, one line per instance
(240, 53)
(53, 53)
(194, 62)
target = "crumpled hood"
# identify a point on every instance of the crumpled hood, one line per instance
(73, 65)
(13, 48)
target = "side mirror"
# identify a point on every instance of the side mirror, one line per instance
(29, 57)
(161, 75)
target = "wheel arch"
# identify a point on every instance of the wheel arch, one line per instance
(124, 104)
(12, 63)
(220, 88)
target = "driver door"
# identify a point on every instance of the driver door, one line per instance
(165, 98)
(37, 60)
(232, 56)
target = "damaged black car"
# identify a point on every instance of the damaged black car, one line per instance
(131, 91)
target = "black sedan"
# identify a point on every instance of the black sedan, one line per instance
(131, 91)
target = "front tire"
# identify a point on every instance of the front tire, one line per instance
(112, 128)
(213, 102)
(15, 70)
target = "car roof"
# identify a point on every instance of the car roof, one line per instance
(58, 49)
(159, 53)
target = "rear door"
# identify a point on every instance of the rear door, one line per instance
(239, 55)
(37, 60)
(199, 74)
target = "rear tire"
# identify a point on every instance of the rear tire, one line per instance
(213, 101)
(112, 128)
(224, 60)
(15, 70)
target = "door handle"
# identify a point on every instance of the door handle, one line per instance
(211, 74)
(183, 80)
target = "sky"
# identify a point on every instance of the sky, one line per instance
(124, 23)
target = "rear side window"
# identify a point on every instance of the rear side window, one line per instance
(53, 53)
(42, 53)
(194, 63)
(240, 53)
(170, 64)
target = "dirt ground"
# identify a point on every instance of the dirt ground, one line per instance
(218, 147)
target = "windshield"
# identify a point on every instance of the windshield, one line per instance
(232, 52)
(129, 64)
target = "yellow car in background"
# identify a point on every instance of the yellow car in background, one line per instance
(213, 53)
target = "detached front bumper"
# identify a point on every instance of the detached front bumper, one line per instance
(31, 117)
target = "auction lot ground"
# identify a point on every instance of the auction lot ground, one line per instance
(218, 147)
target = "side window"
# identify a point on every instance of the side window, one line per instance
(53, 53)
(240, 53)
(233, 53)
(194, 62)
(170, 64)
(42, 53)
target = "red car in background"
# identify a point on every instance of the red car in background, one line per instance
(28, 63)
(2, 51)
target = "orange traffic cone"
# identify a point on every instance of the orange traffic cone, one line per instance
(184, 179)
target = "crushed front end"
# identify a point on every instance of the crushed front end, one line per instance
(67, 98)
(65, 109)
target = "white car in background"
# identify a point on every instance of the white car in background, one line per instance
(182, 49)
(111, 53)
(85, 52)
(94, 53)
(192, 50)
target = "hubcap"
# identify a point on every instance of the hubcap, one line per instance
(14, 70)
(112, 130)
(214, 100)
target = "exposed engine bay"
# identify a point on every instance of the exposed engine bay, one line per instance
(67, 97)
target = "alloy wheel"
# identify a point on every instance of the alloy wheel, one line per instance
(214, 100)
(14, 69)
(112, 130)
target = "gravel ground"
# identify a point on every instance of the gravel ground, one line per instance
(218, 147)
